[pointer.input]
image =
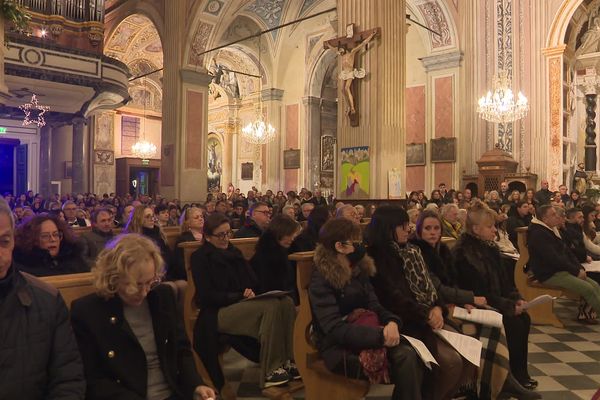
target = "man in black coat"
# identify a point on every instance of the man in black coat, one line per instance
(39, 358)
(94, 241)
(572, 234)
(553, 263)
(258, 219)
(543, 195)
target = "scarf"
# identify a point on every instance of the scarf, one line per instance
(417, 276)
(453, 230)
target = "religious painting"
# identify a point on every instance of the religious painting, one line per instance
(443, 150)
(247, 171)
(355, 172)
(291, 159)
(415, 154)
(106, 157)
(327, 153)
(215, 163)
(394, 184)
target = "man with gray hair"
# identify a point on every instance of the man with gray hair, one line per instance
(39, 358)
(70, 210)
(348, 211)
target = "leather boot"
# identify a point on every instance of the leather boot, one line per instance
(512, 388)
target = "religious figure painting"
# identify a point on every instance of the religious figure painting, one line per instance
(355, 172)
(291, 159)
(327, 153)
(215, 163)
(443, 150)
(247, 171)
(415, 154)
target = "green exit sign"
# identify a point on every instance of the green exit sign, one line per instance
(2, 130)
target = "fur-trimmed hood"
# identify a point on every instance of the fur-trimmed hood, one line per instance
(338, 276)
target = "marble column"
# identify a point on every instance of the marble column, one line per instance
(312, 141)
(45, 154)
(272, 153)
(79, 176)
(380, 94)
(590, 132)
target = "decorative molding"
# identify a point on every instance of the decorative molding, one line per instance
(505, 62)
(199, 43)
(272, 94)
(438, 62)
(555, 156)
(195, 77)
(436, 20)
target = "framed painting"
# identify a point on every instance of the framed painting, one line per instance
(291, 159)
(443, 150)
(415, 154)
(247, 171)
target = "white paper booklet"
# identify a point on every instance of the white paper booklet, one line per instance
(466, 346)
(272, 293)
(594, 266)
(541, 299)
(484, 317)
(421, 350)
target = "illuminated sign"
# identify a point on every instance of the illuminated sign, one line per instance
(2, 130)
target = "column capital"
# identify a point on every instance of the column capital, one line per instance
(78, 120)
(271, 94)
(195, 77)
(437, 62)
(311, 101)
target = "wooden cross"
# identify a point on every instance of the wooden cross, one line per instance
(347, 48)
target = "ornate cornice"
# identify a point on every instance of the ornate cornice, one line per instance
(271, 94)
(438, 62)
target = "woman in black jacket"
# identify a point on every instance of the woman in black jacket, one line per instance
(403, 286)
(225, 288)
(191, 222)
(339, 289)
(273, 269)
(129, 333)
(45, 245)
(308, 238)
(479, 268)
(143, 221)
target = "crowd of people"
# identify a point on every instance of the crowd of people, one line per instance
(380, 273)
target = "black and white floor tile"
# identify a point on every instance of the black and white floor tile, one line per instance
(565, 362)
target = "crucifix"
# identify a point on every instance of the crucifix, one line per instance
(347, 47)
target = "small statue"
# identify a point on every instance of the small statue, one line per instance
(581, 179)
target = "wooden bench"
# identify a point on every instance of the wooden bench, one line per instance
(542, 314)
(449, 241)
(71, 286)
(319, 382)
(190, 314)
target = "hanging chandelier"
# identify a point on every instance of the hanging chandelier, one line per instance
(142, 148)
(259, 132)
(501, 105)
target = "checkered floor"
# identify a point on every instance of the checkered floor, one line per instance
(565, 362)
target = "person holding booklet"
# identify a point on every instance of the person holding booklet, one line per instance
(477, 262)
(495, 379)
(223, 280)
(403, 285)
(355, 335)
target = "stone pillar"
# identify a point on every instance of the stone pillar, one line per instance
(3, 88)
(312, 141)
(191, 166)
(45, 154)
(270, 161)
(80, 177)
(590, 132)
(381, 93)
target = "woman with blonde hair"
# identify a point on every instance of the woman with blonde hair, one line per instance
(130, 335)
(477, 262)
(191, 222)
(143, 221)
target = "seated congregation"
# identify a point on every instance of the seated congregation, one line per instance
(376, 287)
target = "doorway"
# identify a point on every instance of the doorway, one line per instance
(143, 181)
(13, 166)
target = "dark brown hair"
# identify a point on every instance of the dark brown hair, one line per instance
(282, 225)
(338, 230)
(426, 214)
(28, 232)
(213, 221)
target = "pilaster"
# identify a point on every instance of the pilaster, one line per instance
(312, 141)
(271, 155)
(79, 157)
(45, 155)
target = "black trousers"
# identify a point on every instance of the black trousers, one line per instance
(517, 336)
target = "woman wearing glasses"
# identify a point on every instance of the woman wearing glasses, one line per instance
(44, 245)
(224, 284)
(130, 335)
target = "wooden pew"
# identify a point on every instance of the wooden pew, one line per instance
(542, 314)
(190, 314)
(319, 382)
(171, 233)
(71, 286)
(449, 241)
(80, 230)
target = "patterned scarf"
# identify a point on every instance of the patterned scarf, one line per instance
(417, 276)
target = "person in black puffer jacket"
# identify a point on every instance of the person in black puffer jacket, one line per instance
(45, 246)
(270, 261)
(39, 358)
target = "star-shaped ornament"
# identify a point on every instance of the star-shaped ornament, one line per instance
(34, 105)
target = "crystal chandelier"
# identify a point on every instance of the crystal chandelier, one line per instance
(259, 132)
(142, 148)
(500, 106)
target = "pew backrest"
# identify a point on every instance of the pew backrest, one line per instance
(71, 286)
(302, 343)
(449, 241)
(246, 245)
(171, 234)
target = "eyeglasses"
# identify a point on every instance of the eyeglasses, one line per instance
(223, 235)
(49, 236)
(153, 284)
(149, 216)
(265, 212)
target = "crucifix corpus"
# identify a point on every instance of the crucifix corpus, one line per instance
(347, 47)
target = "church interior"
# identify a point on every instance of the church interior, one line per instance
(363, 101)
